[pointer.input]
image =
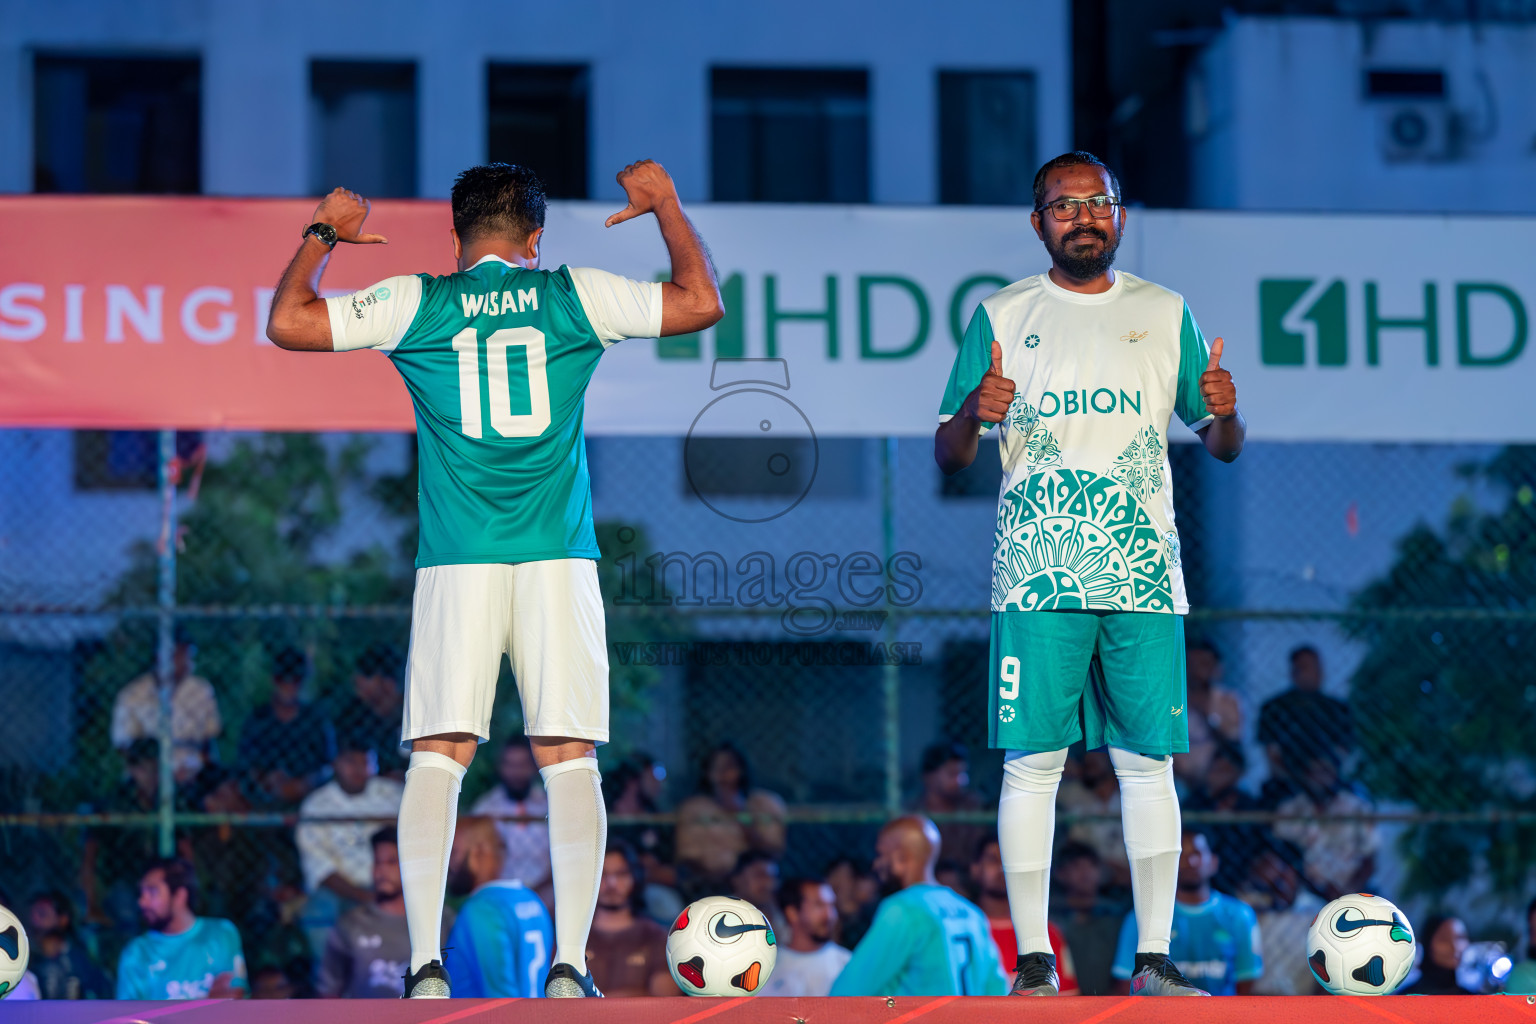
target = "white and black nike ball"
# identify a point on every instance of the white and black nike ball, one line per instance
(721, 946)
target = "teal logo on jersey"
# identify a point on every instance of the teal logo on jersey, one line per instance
(381, 294)
(1032, 341)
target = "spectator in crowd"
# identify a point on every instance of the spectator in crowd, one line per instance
(336, 855)
(1444, 942)
(926, 940)
(857, 892)
(374, 711)
(1096, 792)
(271, 982)
(627, 951)
(63, 966)
(953, 875)
(1215, 936)
(1213, 712)
(181, 956)
(1234, 843)
(195, 721)
(1088, 920)
(519, 793)
(368, 953)
(501, 942)
(1285, 909)
(710, 833)
(756, 880)
(635, 787)
(1301, 724)
(986, 874)
(283, 745)
(111, 856)
(1338, 857)
(231, 861)
(1522, 977)
(810, 961)
(946, 790)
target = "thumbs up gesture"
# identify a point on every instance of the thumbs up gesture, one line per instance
(1216, 385)
(989, 402)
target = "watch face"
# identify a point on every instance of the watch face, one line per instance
(325, 232)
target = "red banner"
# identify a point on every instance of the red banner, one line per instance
(138, 313)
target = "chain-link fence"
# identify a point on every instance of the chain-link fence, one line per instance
(1361, 681)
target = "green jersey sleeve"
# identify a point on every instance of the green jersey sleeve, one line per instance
(971, 364)
(1194, 354)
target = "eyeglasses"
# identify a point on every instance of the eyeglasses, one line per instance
(1099, 207)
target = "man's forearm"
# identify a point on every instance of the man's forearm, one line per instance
(956, 441)
(1224, 437)
(693, 272)
(295, 304)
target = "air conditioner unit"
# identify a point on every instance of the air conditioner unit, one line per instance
(1415, 130)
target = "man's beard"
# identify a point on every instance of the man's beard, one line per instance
(461, 881)
(1084, 264)
(384, 895)
(157, 924)
(521, 792)
(822, 934)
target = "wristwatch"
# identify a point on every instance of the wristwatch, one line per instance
(325, 232)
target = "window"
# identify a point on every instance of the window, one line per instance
(363, 127)
(983, 478)
(127, 460)
(987, 137)
(790, 136)
(116, 124)
(536, 116)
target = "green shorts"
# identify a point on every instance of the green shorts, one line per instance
(1108, 678)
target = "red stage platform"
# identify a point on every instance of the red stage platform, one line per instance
(928, 1010)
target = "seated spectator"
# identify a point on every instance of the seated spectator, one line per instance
(1215, 936)
(1444, 942)
(857, 892)
(63, 966)
(992, 897)
(336, 856)
(271, 982)
(1088, 920)
(519, 793)
(229, 860)
(635, 787)
(501, 943)
(710, 833)
(926, 940)
(110, 859)
(1303, 723)
(283, 743)
(368, 954)
(181, 956)
(1285, 909)
(1212, 711)
(810, 961)
(375, 709)
(626, 951)
(1522, 977)
(195, 721)
(1096, 792)
(756, 880)
(1234, 843)
(1338, 857)
(947, 790)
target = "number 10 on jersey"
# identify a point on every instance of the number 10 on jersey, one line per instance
(503, 420)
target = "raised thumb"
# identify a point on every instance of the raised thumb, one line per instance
(997, 357)
(1215, 363)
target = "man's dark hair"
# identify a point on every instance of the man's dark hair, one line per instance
(624, 849)
(388, 834)
(141, 750)
(521, 740)
(990, 839)
(351, 739)
(1192, 830)
(937, 755)
(750, 857)
(1231, 752)
(1076, 158)
(730, 749)
(1075, 850)
(290, 663)
(380, 659)
(179, 874)
(792, 890)
(1301, 651)
(59, 902)
(1203, 645)
(497, 201)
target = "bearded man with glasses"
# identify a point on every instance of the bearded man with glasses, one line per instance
(1081, 369)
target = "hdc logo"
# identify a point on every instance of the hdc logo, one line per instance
(1296, 314)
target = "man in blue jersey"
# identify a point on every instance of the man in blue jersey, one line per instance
(926, 940)
(181, 956)
(501, 940)
(497, 358)
(1215, 938)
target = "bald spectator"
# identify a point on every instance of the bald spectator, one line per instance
(519, 794)
(502, 939)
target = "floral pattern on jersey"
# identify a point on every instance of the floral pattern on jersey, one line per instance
(1021, 415)
(1040, 446)
(1072, 539)
(1140, 466)
(1175, 552)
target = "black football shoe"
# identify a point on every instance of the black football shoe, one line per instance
(430, 982)
(565, 982)
(1156, 975)
(1035, 975)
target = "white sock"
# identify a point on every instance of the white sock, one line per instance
(1026, 829)
(428, 810)
(578, 838)
(1149, 812)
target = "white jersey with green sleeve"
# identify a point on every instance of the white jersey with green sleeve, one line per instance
(497, 359)
(1085, 514)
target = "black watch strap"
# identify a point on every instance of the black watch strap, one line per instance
(323, 231)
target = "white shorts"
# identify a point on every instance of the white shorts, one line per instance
(547, 616)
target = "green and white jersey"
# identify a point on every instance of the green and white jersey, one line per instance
(1085, 516)
(497, 360)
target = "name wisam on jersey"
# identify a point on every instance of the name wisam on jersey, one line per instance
(496, 303)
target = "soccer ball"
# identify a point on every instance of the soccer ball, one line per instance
(14, 952)
(1360, 945)
(721, 946)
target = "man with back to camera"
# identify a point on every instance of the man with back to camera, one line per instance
(1082, 367)
(500, 943)
(497, 358)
